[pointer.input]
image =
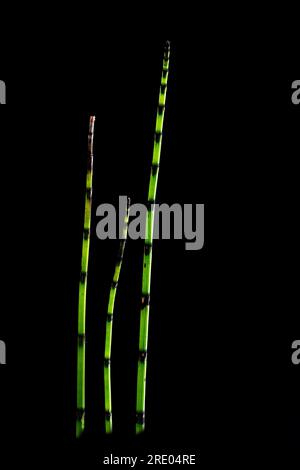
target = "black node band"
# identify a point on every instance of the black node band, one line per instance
(140, 418)
(108, 415)
(86, 233)
(80, 412)
(121, 249)
(89, 193)
(109, 317)
(107, 362)
(120, 256)
(82, 277)
(150, 204)
(145, 300)
(143, 356)
(114, 284)
(154, 168)
(157, 136)
(148, 248)
(161, 108)
(163, 87)
(81, 338)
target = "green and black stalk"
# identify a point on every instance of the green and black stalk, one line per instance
(147, 261)
(81, 339)
(109, 324)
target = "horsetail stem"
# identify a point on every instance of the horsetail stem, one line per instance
(109, 324)
(147, 262)
(81, 339)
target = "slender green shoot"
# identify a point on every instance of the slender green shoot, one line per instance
(147, 261)
(81, 338)
(109, 324)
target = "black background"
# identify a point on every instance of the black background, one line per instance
(220, 381)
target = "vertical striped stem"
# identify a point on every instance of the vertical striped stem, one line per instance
(109, 324)
(81, 339)
(147, 262)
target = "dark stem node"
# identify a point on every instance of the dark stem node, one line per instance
(161, 108)
(154, 168)
(80, 412)
(145, 300)
(81, 338)
(143, 356)
(89, 193)
(157, 136)
(140, 417)
(86, 233)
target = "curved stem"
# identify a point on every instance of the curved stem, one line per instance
(147, 262)
(109, 323)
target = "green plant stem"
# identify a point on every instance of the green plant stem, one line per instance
(147, 261)
(109, 325)
(81, 339)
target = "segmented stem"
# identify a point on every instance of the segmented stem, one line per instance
(147, 262)
(81, 340)
(109, 324)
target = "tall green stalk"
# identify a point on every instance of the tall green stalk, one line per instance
(109, 323)
(147, 262)
(81, 339)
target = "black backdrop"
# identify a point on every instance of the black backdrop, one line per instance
(220, 378)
